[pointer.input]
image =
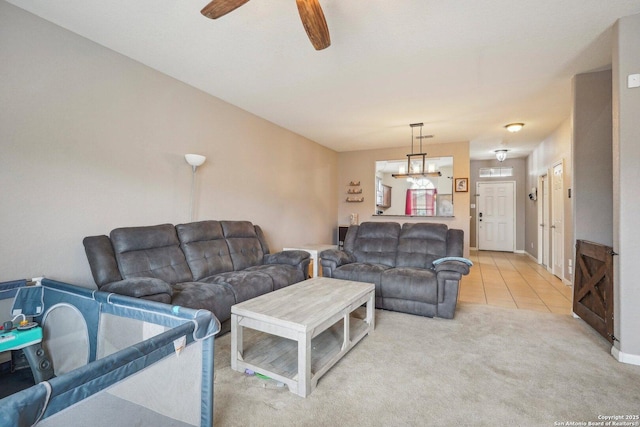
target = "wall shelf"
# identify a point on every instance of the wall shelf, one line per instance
(354, 188)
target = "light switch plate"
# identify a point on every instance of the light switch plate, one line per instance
(633, 80)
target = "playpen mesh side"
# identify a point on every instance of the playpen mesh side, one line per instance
(165, 393)
(66, 338)
(170, 387)
(150, 365)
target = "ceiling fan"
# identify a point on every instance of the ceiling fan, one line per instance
(310, 13)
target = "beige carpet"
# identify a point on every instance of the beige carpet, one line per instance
(488, 366)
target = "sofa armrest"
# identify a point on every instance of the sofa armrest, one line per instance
(453, 266)
(139, 287)
(102, 259)
(448, 285)
(331, 259)
(337, 257)
(294, 258)
(298, 259)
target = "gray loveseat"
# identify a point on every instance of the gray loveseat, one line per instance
(399, 260)
(203, 265)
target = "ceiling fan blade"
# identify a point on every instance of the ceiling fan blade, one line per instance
(218, 8)
(314, 23)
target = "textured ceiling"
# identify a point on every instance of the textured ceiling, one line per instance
(463, 68)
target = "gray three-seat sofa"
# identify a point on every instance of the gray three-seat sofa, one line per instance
(203, 265)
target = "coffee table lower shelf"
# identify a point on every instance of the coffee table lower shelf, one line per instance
(278, 357)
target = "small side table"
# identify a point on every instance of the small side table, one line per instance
(313, 250)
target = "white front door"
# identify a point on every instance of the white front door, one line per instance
(496, 216)
(557, 220)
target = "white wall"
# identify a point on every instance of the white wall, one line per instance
(91, 140)
(626, 175)
(555, 148)
(360, 166)
(592, 163)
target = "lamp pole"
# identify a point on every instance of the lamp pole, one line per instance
(194, 160)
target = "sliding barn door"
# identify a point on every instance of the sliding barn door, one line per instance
(593, 287)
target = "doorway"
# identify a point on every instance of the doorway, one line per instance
(496, 216)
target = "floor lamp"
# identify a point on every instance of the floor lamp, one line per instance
(194, 160)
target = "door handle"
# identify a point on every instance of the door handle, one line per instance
(553, 226)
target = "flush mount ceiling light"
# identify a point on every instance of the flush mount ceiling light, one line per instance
(514, 127)
(417, 168)
(501, 155)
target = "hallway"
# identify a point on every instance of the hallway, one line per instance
(514, 281)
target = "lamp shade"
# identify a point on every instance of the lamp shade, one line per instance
(501, 155)
(194, 159)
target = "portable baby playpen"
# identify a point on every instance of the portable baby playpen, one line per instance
(118, 361)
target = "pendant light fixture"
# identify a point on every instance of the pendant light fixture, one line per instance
(416, 168)
(501, 154)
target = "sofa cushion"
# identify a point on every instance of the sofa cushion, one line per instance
(152, 251)
(421, 244)
(361, 272)
(244, 246)
(218, 299)
(282, 275)
(375, 243)
(205, 248)
(244, 284)
(140, 287)
(413, 284)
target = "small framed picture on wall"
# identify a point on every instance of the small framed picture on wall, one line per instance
(462, 185)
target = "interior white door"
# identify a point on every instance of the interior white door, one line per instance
(544, 247)
(496, 216)
(557, 220)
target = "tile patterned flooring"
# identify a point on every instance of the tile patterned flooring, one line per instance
(514, 281)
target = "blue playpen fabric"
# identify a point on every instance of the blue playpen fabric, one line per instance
(59, 393)
(28, 301)
(10, 289)
(25, 408)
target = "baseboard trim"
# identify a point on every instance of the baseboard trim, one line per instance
(630, 359)
(532, 257)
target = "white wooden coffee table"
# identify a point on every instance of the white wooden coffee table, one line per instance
(306, 328)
